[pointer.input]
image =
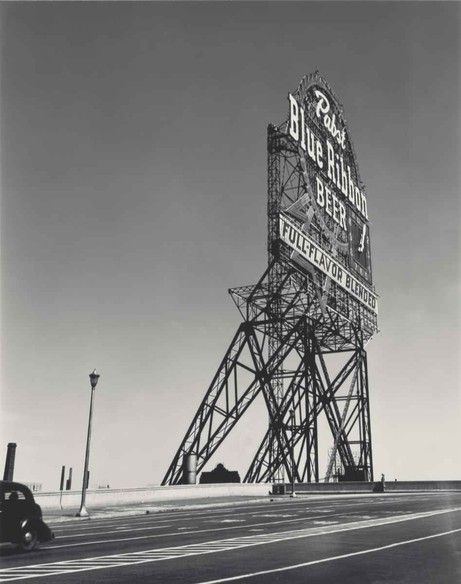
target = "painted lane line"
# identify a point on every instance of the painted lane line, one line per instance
(174, 517)
(116, 530)
(76, 565)
(331, 559)
(172, 534)
(166, 516)
(141, 557)
(182, 530)
(178, 516)
(270, 515)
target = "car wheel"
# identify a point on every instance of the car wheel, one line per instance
(29, 538)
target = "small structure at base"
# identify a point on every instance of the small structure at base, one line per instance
(352, 474)
(219, 474)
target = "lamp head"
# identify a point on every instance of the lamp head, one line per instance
(94, 378)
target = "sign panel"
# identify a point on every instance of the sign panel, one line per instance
(300, 242)
(326, 221)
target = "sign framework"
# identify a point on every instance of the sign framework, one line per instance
(328, 205)
(305, 324)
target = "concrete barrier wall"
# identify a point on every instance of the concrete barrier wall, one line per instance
(370, 487)
(101, 497)
(423, 485)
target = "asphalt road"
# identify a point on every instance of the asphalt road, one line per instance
(375, 539)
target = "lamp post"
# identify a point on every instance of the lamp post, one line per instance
(292, 420)
(83, 511)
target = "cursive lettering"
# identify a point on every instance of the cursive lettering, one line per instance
(329, 121)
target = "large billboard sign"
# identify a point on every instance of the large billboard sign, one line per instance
(327, 224)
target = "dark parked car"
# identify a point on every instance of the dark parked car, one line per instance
(20, 517)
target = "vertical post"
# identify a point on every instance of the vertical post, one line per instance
(61, 484)
(9, 462)
(366, 397)
(83, 511)
(292, 419)
(274, 278)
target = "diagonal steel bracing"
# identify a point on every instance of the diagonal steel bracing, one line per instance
(227, 400)
(251, 366)
(301, 346)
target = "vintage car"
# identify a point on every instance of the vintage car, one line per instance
(21, 519)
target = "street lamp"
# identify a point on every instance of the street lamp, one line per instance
(292, 420)
(83, 511)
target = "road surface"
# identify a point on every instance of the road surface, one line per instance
(389, 538)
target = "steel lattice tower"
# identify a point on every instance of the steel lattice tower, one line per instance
(295, 320)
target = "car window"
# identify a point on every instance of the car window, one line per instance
(14, 495)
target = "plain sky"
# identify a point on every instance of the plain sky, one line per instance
(133, 195)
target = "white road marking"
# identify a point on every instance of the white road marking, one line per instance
(182, 529)
(272, 515)
(297, 504)
(331, 559)
(116, 530)
(141, 557)
(178, 516)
